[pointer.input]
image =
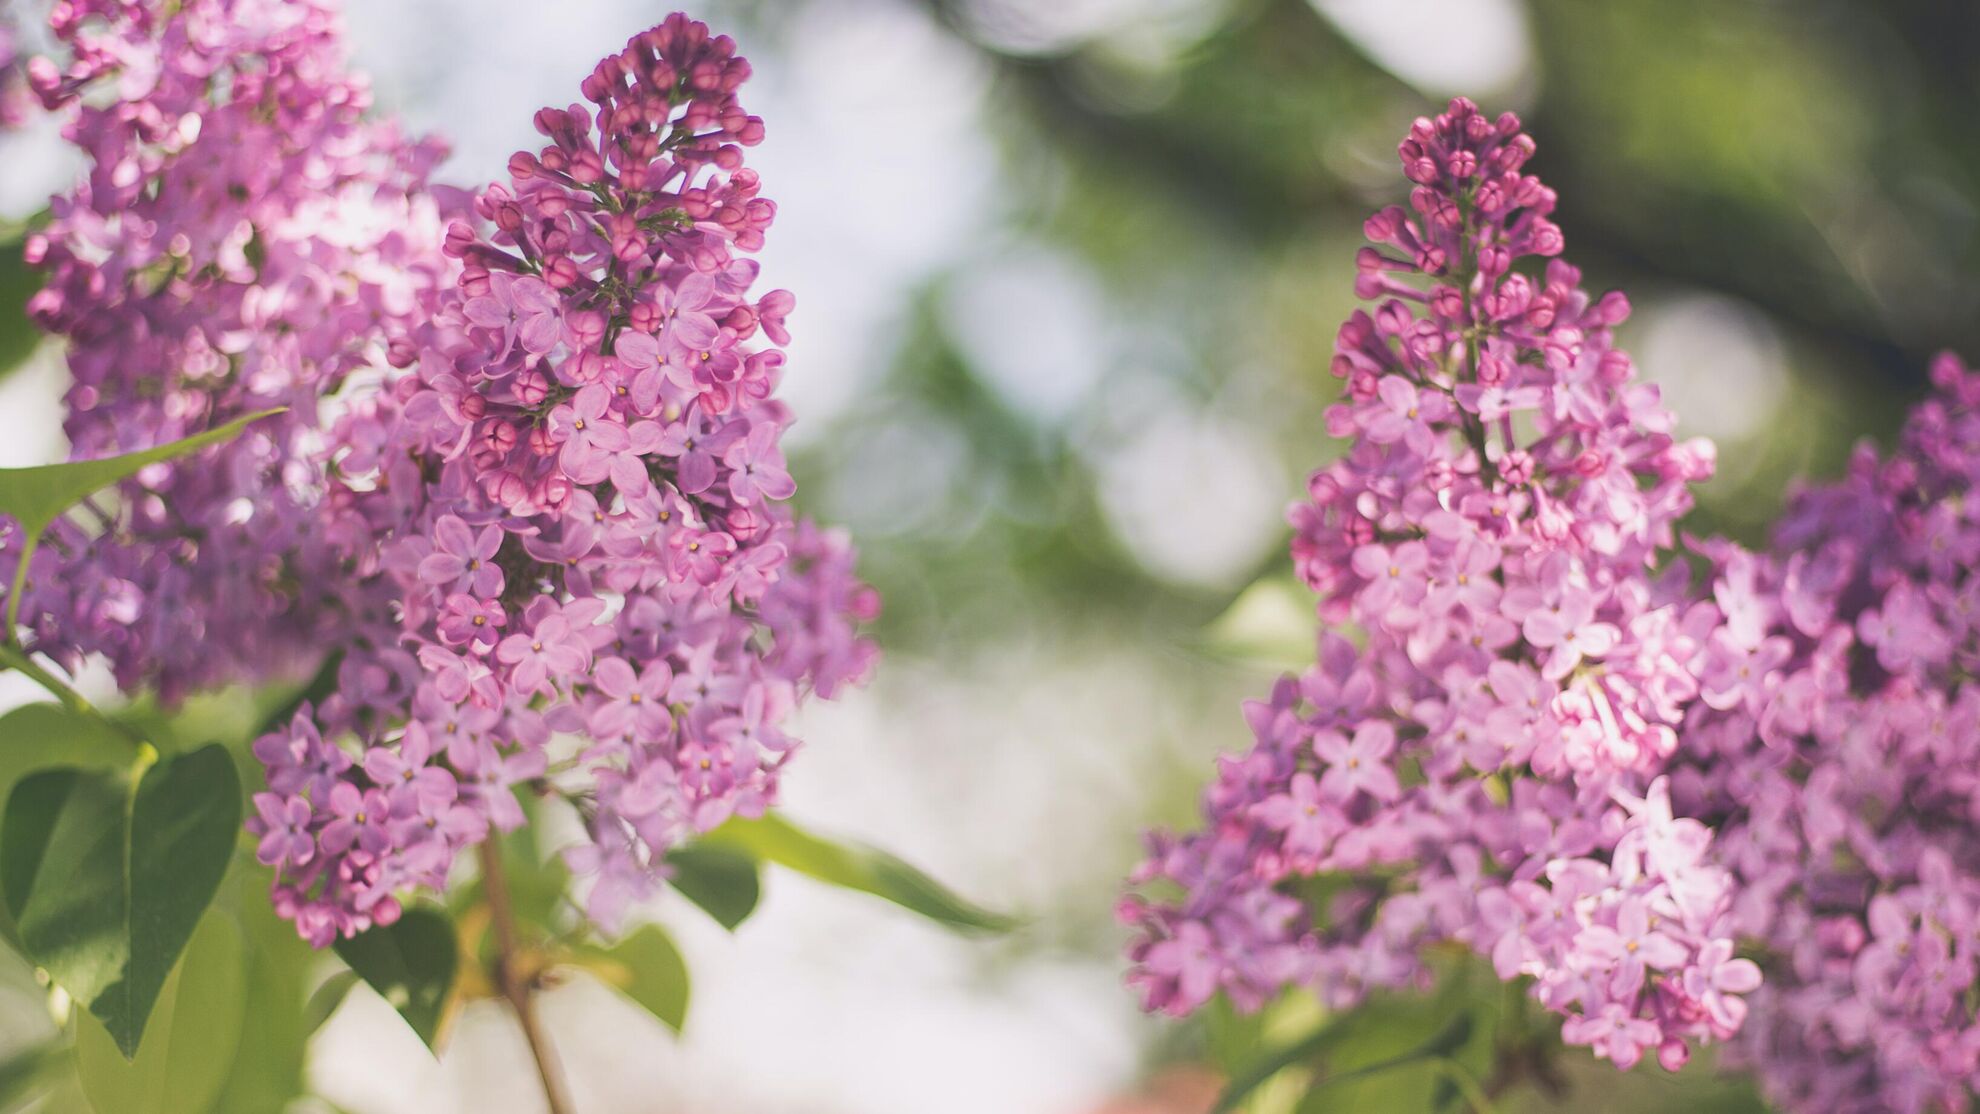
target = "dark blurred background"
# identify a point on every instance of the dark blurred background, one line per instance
(1068, 276)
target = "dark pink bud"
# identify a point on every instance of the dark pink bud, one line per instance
(1517, 468)
(531, 386)
(1616, 368)
(552, 492)
(561, 273)
(497, 437)
(1447, 302)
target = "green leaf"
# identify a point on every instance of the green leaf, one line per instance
(40, 736)
(37, 496)
(18, 283)
(324, 1001)
(106, 880)
(1381, 1083)
(772, 838)
(648, 970)
(723, 881)
(268, 1069)
(411, 963)
(1327, 1034)
(24, 1073)
(1337, 1032)
(192, 1041)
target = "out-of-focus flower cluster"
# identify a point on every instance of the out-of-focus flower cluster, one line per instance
(245, 237)
(1844, 778)
(1485, 765)
(529, 486)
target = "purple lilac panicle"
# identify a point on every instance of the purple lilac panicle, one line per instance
(1488, 767)
(573, 499)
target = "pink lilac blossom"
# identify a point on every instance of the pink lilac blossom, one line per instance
(245, 237)
(572, 500)
(1844, 777)
(1489, 766)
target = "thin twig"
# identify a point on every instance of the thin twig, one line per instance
(496, 888)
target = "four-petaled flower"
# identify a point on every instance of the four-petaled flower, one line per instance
(1360, 764)
(463, 560)
(588, 436)
(1570, 630)
(1308, 819)
(285, 836)
(522, 308)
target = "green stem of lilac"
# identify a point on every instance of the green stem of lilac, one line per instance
(495, 886)
(20, 586)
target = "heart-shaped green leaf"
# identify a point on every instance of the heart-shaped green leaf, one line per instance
(722, 880)
(106, 874)
(193, 1038)
(40, 736)
(324, 1000)
(268, 1068)
(772, 838)
(411, 963)
(648, 970)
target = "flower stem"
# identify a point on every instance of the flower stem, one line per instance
(507, 976)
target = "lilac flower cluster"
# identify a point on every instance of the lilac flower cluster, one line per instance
(574, 498)
(245, 237)
(1486, 765)
(1844, 778)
